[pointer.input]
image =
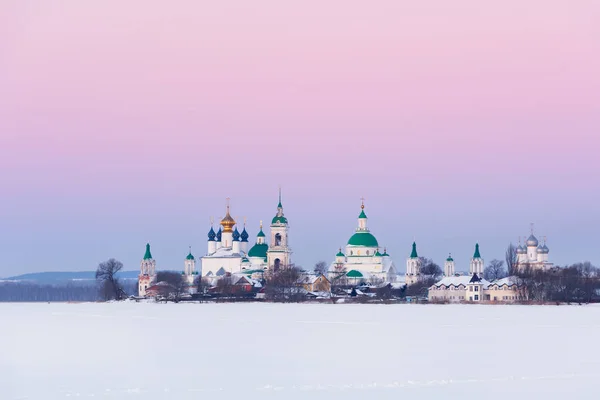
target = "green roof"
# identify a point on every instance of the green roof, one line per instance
(354, 274)
(449, 258)
(190, 256)
(363, 239)
(259, 250)
(377, 254)
(362, 214)
(260, 234)
(477, 254)
(279, 220)
(414, 254)
(148, 255)
(340, 254)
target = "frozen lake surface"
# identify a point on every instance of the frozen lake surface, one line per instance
(298, 351)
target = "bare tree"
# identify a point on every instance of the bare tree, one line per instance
(176, 285)
(321, 267)
(430, 270)
(511, 259)
(109, 284)
(495, 270)
(282, 285)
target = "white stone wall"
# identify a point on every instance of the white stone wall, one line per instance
(213, 264)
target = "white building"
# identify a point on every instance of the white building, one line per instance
(147, 275)
(472, 287)
(228, 249)
(413, 266)
(533, 255)
(362, 259)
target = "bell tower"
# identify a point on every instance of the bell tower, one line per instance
(279, 253)
(147, 272)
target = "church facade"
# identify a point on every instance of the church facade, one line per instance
(228, 248)
(361, 259)
(533, 255)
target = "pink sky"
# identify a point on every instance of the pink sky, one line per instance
(130, 121)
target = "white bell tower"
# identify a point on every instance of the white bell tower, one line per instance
(449, 266)
(279, 253)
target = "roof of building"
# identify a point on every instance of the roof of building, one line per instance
(244, 235)
(211, 235)
(477, 254)
(260, 233)
(413, 253)
(532, 241)
(354, 274)
(259, 250)
(190, 256)
(148, 255)
(460, 280)
(279, 219)
(363, 238)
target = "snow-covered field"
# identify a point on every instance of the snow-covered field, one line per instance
(298, 351)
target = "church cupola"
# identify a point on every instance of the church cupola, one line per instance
(236, 246)
(211, 235)
(244, 239)
(212, 239)
(227, 223)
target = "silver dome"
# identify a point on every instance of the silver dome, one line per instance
(532, 241)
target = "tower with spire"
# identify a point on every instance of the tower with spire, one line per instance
(449, 266)
(189, 268)
(413, 266)
(280, 253)
(147, 272)
(476, 266)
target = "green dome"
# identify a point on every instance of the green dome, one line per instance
(190, 257)
(260, 234)
(354, 274)
(363, 239)
(362, 215)
(378, 254)
(279, 220)
(259, 250)
(340, 254)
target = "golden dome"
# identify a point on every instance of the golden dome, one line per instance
(228, 222)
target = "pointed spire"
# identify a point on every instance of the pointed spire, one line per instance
(148, 255)
(279, 205)
(362, 209)
(414, 254)
(477, 254)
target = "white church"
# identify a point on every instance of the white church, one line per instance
(228, 249)
(361, 259)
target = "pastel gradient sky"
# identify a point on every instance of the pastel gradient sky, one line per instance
(126, 121)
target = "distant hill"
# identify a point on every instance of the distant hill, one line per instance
(65, 277)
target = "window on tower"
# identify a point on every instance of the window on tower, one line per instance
(278, 240)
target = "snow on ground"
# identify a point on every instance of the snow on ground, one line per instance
(298, 351)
